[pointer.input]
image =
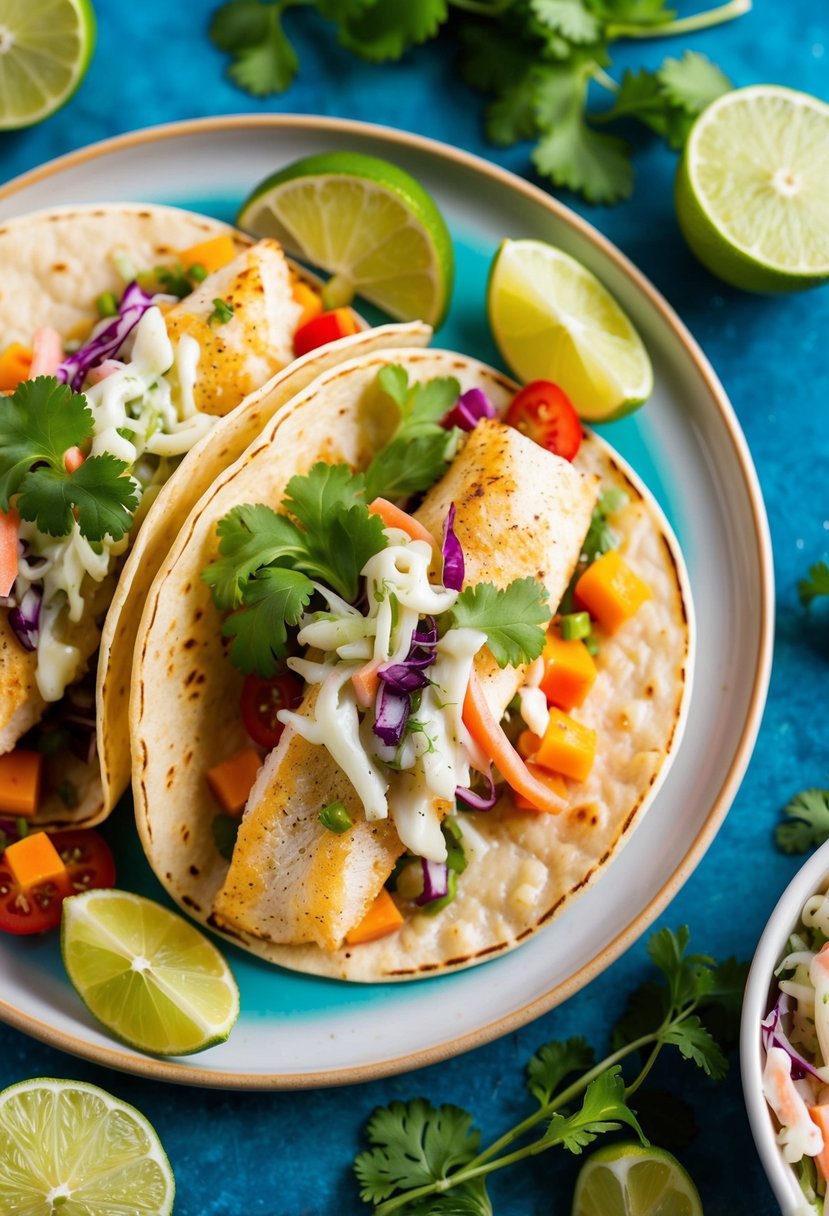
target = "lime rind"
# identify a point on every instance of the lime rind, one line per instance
(552, 319)
(365, 221)
(48, 48)
(751, 190)
(146, 974)
(73, 1141)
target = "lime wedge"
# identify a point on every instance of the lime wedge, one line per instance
(553, 320)
(629, 1180)
(70, 1148)
(151, 977)
(364, 221)
(752, 191)
(45, 48)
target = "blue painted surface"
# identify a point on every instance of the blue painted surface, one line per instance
(270, 1154)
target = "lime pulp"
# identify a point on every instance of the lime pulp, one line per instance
(631, 1180)
(45, 49)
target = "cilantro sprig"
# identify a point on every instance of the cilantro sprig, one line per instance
(539, 61)
(512, 618)
(805, 822)
(426, 1159)
(39, 423)
(420, 448)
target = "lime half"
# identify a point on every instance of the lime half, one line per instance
(629, 1180)
(553, 320)
(70, 1148)
(151, 977)
(752, 191)
(45, 48)
(366, 222)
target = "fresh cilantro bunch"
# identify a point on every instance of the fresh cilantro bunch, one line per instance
(536, 59)
(429, 1160)
(267, 561)
(39, 423)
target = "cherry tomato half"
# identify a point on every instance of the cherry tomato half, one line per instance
(544, 413)
(262, 700)
(327, 327)
(89, 863)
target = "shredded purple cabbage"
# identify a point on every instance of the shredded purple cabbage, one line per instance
(469, 409)
(25, 618)
(453, 563)
(106, 343)
(475, 800)
(435, 881)
(399, 680)
(773, 1035)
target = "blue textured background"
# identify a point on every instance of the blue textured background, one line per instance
(270, 1154)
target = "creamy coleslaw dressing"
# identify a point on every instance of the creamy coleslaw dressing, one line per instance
(144, 413)
(437, 752)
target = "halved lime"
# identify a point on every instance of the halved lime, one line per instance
(45, 48)
(71, 1148)
(151, 977)
(752, 190)
(630, 1180)
(553, 320)
(366, 222)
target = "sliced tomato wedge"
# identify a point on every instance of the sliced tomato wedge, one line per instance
(89, 863)
(262, 701)
(544, 413)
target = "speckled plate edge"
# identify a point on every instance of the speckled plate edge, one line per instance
(184, 1074)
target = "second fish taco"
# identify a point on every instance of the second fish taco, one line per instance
(426, 672)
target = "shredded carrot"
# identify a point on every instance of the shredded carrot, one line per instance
(382, 918)
(820, 1116)
(232, 780)
(212, 254)
(488, 734)
(73, 458)
(15, 363)
(33, 860)
(552, 781)
(47, 352)
(366, 682)
(394, 517)
(9, 524)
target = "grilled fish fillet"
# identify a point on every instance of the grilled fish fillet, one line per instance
(240, 354)
(519, 511)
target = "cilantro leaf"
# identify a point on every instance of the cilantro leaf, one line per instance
(268, 66)
(274, 599)
(570, 18)
(250, 536)
(239, 24)
(642, 97)
(337, 553)
(489, 62)
(553, 1062)
(389, 28)
(692, 82)
(39, 422)
(97, 490)
(414, 1143)
(600, 537)
(420, 448)
(512, 116)
(512, 618)
(569, 152)
(807, 822)
(815, 585)
(697, 1044)
(604, 1109)
(328, 488)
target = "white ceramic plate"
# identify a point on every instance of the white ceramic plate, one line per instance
(299, 1030)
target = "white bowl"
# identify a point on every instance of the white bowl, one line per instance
(810, 878)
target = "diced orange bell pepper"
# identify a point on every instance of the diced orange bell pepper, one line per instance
(569, 671)
(310, 300)
(212, 254)
(232, 780)
(327, 327)
(382, 918)
(552, 781)
(568, 747)
(15, 363)
(610, 591)
(33, 860)
(20, 772)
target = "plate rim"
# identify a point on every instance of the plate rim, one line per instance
(180, 1073)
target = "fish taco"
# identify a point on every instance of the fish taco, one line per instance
(421, 675)
(135, 340)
